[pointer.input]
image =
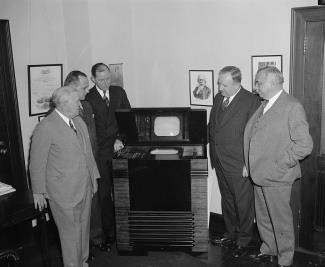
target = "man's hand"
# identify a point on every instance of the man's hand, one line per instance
(245, 172)
(118, 145)
(39, 201)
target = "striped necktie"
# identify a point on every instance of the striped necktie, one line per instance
(264, 103)
(72, 126)
(105, 98)
(225, 103)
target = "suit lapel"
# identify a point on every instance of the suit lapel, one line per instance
(216, 108)
(275, 109)
(100, 99)
(65, 127)
(83, 135)
(80, 134)
(97, 95)
(261, 121)
(232, 108)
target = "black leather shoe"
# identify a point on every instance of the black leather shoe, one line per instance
(103, 247)
(221, 241)
(262, 257)
(240, 252)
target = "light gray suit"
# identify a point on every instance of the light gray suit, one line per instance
(62, 166)
(273, 145)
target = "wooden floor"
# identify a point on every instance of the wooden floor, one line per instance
(216, 256)
(29, 253)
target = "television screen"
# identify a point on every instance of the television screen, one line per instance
(167, 126)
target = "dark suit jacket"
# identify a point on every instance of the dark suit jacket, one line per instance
(105, 120)
(226, 135)
(62, 165)
(87, 115)
(275, 142)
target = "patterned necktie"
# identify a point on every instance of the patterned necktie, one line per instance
(225, 103)
(105, 98)
(264, 103)
(72, 126)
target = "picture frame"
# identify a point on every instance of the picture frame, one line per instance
(40, 117)
(260, 61)
(42, 81)
(117, 74)
(201, 87)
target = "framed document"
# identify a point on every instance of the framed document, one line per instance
(264, 61)
(117, 74)
(42, 81)
(201, 87)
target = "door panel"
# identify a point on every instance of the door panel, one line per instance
(12, 162)
(306, 83)
(5, 166)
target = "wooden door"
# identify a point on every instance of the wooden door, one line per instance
(307, 84)
(12, 163)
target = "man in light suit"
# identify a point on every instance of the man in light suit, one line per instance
(104, 99)
(63, 169)
(276, 138)
(232, 108)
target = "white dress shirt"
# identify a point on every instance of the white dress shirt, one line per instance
(271, 101)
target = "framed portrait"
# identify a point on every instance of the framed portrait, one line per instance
(201, 87)
(42, 81)
(264, 61)
(117, 74)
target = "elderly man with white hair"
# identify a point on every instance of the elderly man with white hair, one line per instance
(63, 170)
(202, 91)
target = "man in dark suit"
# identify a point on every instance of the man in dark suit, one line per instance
(105, 99)
(63, 169)
(232, 108)
(79, 81)
(276, 138)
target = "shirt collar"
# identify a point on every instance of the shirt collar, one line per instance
(65, 118)
(233, 96)
(101, 92)
(274, 98)
(272, 101)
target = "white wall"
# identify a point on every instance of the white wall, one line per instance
(158, 41)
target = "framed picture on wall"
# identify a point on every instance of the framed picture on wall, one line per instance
(264, 61)
(117, 74)
(201, 87)
(42, 81)
(41, 117)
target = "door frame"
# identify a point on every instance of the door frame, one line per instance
(306, 187)
(12, 118)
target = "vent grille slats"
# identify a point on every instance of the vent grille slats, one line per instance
(152, 228)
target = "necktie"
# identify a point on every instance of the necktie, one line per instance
(72, 126)
(264, 103)
(81, 112)
(225, 103)
(105, 98)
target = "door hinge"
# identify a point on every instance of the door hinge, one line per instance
(305, 44)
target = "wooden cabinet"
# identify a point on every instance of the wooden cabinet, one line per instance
(12, 163)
